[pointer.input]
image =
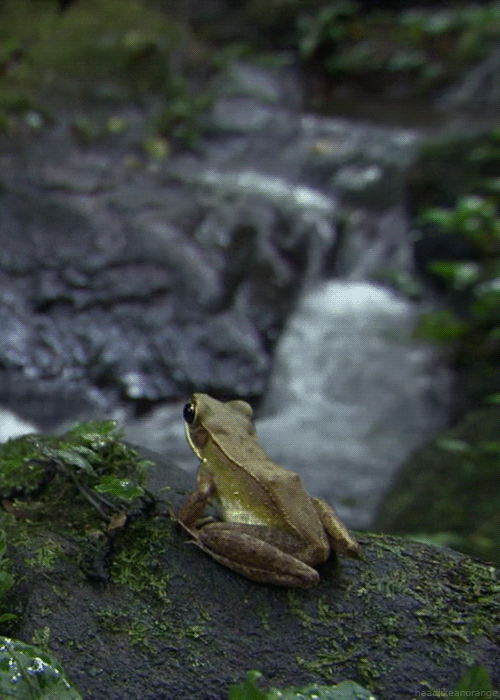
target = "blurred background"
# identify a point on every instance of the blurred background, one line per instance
(290, 202)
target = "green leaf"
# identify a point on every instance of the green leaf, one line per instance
(405, 59)
(441, 326)
(459, 275)
(324, 29)
(247, 690)
(452, 445)
(486, 306)
(7, 617)
(124, 489)
(6, 581)
(476, 679)
(28, 673)
(94, 430)
(68, 456)
(439, 216)
(492, 446)
(347, 690)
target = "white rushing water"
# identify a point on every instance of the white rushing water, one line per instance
(352, 395)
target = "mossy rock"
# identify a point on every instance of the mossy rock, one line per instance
(156, 617)
(449, 491)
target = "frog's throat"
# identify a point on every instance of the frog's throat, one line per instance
(195, 449)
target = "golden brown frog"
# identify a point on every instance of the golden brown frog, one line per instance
(271, 529)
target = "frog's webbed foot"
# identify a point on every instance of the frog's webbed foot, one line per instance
(193, 530)
(253, 557)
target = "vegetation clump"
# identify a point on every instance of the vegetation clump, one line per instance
(88, 474)
(475, 681)
(448, 493)
(461, 237)
(428, 46)
(107, 51)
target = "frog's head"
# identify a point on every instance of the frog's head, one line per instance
(208, 419)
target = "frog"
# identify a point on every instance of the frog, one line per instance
(268, 528)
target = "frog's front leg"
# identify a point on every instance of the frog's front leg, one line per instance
(244, 549)
(194, 507)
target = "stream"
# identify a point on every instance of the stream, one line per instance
(352, 395)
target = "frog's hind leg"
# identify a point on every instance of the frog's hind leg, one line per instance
(241, 550)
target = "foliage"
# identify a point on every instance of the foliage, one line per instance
(476, 679)
(473, 285)
(430, 45)
(475, 683)
(347, 690)
(448, 493)
(90, 458)
(329, 26)
(475, 217)
(28, 673)
(6, 579)
(98, 40)
(100, 49)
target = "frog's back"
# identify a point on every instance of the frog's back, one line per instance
(262, 492)
(250, 486)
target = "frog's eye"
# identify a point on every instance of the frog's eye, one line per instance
(189, 413)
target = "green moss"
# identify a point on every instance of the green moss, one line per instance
(296, 600)
(66, 496)
(263, 614)
(137, 564)
(45, 557)
(41, 638)
(160, 594)
(57, 528)
(84, 463)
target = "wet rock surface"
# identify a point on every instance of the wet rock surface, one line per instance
(170, 621)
